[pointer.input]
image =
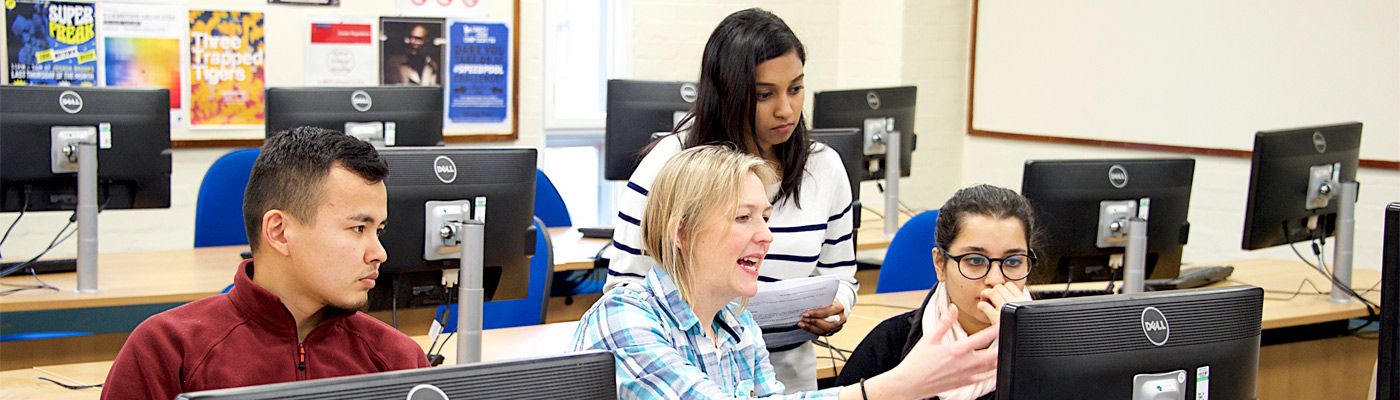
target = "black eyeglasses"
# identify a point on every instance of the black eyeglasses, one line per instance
(976, 266)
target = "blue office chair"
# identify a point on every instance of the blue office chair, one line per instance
(549, 205)
(520, 312)
(908, 261)
(218, 214)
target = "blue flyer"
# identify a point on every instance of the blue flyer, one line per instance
(51, 43)
(478, 72)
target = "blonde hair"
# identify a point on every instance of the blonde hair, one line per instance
(694, 186)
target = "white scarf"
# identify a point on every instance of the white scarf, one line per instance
(933, 312)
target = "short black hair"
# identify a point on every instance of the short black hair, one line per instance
(988, 201)
(288, 173)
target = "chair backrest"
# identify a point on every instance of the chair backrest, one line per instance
(529, 310)
(218, 214)
(549, 205)
(908, 261)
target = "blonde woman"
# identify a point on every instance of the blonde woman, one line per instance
(680, 333)
(750, 95)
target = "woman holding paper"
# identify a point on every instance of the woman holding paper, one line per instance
(983, 256)
(680, 334)
(749, 97)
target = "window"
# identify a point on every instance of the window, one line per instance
(586, 43)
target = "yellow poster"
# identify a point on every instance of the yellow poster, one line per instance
(227, 59)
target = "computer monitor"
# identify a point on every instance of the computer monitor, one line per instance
(637, 110)
(1072, 197)
(133, 165)
(1202, 343)
(849, 144)
(1287, 173)
(1388, 357)
(383, 115)
(418, 176)
(854, 108)
(589, 375)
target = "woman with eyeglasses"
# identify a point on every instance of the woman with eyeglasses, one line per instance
(683, 332)
(982, 258)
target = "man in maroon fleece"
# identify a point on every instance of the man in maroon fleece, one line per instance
(314, 207)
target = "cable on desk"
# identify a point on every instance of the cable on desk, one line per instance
(24, 207)
(843, 353)
(1295, 293)
(21, 288)
(57, 240)
(70, 387)
(872, 211)
(1371, 308)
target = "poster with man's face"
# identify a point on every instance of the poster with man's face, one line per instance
(411, 51)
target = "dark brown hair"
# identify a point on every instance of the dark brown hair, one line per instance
(984, 200)
(288, 173)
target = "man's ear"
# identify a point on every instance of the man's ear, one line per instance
(939, 261)
(276, 231)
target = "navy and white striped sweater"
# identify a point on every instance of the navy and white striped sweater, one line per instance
(812, 240)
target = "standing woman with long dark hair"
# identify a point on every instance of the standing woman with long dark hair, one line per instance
(750, 97)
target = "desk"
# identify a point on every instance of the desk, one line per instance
(182, 276)
(1286, 370)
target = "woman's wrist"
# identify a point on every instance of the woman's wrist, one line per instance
(886, 387)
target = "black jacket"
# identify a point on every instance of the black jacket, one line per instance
(886, 345)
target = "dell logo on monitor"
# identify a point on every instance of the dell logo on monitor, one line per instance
(1155, 326)
(689, 93)
(1319, 142)
(445, 169)
(425, 392)
(70, 101)
(1118, 176)
(872, 99)
(361, 101)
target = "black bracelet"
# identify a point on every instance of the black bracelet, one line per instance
(862, 390)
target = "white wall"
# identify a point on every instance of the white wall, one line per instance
(1199, 73)
(1218, 195)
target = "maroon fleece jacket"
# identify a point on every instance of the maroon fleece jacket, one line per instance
(248, 337)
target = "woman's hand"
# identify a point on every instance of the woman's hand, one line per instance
(996, 296)
(817, 321)
(934, 367)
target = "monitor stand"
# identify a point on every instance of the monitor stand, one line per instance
(79, 144)
(470, 293)
(1123, 223)
(892, 169)
(461, 223)
(1342, 255)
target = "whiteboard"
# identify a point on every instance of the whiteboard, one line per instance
(1196, 73)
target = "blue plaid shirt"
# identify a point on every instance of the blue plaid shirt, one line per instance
(663, 354)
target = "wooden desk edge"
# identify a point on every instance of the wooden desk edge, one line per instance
(96, 302)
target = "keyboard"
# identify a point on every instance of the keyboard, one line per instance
(1191, 278)
(52, 266)
(600, 232)
(1041, 294)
